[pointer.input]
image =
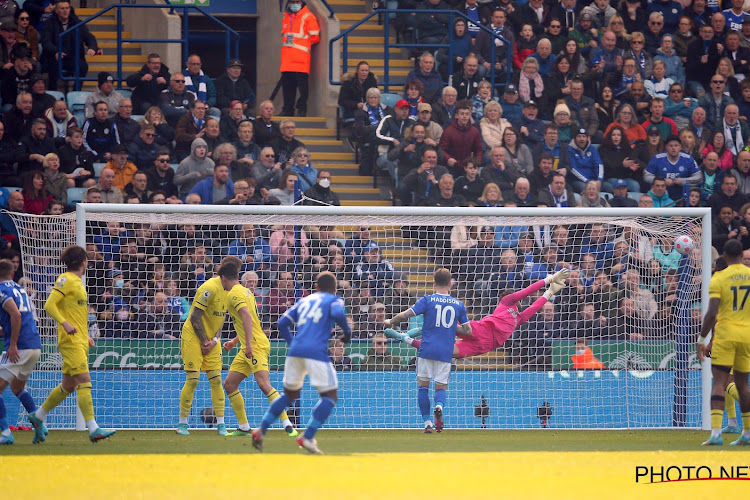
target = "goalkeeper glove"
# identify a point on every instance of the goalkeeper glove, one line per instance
(560, 276)
(555, 287)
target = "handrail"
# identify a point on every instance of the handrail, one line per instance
(232, 50)
(327, 6)
(387, 45)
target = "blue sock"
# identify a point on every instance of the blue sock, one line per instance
(26, 400)
(3, 416)
(440, 397)
(273, 412)
(423, 397)
(319, 415)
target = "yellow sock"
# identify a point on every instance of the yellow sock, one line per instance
(56, 396)
(85, 401)
(717, 418)
(238, 405)
(746, 421)
(217, 391)
(273, 396)
(188, 390)
(730, 396)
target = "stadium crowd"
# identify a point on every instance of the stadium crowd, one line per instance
(609, 105)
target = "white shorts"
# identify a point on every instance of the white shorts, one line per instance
(322, 374)
(431, 369)
(21, 370)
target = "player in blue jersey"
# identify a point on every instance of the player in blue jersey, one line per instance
(443, 315)
(314, 317)
(678, 169)
(22, 345)
(735, 15)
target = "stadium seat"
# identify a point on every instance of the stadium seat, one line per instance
(77, 103)
(75, 195)
(98, 167)
(126, 93)
(635, 195)
(136, 117)
(389, 99)
(607, 196)
(59, 96)
(174, 166)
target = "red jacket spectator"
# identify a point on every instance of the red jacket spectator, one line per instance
(458, 142)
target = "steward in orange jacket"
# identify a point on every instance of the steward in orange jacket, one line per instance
(586, 361)
(299, 32)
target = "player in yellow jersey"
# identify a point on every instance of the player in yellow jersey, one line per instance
(728, 316)
(199, 342)
(252, 358)
(68, 305)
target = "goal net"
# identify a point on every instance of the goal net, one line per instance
(613, 350)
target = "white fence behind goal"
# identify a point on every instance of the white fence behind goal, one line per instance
(635, 301)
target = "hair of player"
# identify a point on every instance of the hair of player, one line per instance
(6, 269)
(733, 248)
(73, 257)
(442, 277)
(231, 260)
(229, 271)
(326, 282)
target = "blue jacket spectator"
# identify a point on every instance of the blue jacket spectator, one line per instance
(670, 10)
(215, 188)
(198, 82)
(428, 75)
(254, 251)
(374, 272)
(585, 162)
(304, 170)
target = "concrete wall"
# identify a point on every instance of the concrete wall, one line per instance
(156, 23)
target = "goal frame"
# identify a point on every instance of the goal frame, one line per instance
(268, 210)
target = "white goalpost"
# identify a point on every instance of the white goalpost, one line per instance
(615, 349)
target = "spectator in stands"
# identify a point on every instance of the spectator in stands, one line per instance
(34, 147)
(718, 146)
(200, 84)
(267, 171)
(486, 41)
(215, 188)
(736, 132)
(561, 119)
(390, 133)
(461, 140)
(283, 244)
(321, 193)
(715, 102)
(190, 127)
(354, 88)
(252, 250)
(379, 358)
(466, 80)
(266, 130)
(620, 199)
(354, 247)
(100, 134)
(741, 172)
(541, 176)
(643, 299)
(443, 111)
(725, 227)
(626, 119)
(303, 167)
(711, 176)
(41, 100)
(213, 135)
(658, 193)
(373, 271)
(491, 196)
(122, 168)
(677, 168)
(230, 121)
(142, 150)
(286, 143)
(408, 154)
(557, 194)
(445, 196)
(341, 362)
(233, 86)
(619, 160)
(176, 100)
(516, 151)
(419, 182)
(583, 110)
(679, 107)
(104, 93)
(26, 33)
(284, 192)
(76, 161)
(469, 185)
(727, 195)
(7, 227)
(59, 120)
(138, 187)
(482, 261)
(374, 321)
(585, 163)
(16, 79)
(491, 125)
(35, 195)
(535, 13)
(17, 121)
(149, 83)
(106, 189)
(636, 95)
(7, 42)
(522, 193)
(244, 194)
(56, 182)
(551, 145)
(56, 24)
(9, 151)
(500, 171)
(164, 131)
(364, 129)
(426, 72)
(127, 128)
(161, 177)
(703, 56)
(246, 152)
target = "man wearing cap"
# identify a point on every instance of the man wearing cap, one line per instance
(390, 132)
(374, 271)
(529, 126)
(7, 42)
(62, 20)
(677, 168)
(665, 126)
(17, 78)
(433, 129)
(510, 103)
(585, 35)
(600, 12)
(621, 198)
(745, 33)
(105, 93)
(148, 83)
(585, 163)
(233, 86)
(122, 168)
(375, 321)
(461, 140)
(100, 133)
(466, 80)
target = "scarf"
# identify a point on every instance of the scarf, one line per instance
(450, 111)
(562, 201)
(200, 91)
(734, 144)
(524, 90)
(375, 115)
(641, 60)
(498, 31)
(414, 105)
(198, 123)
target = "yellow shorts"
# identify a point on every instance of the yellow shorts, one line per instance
(733, 353)
(249, 366)
(75, 357)
(194, 360)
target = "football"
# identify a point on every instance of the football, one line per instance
(683, 244)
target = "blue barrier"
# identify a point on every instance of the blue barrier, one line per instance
(369, 400)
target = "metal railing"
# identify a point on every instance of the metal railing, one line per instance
(387, 45)
(232, 39)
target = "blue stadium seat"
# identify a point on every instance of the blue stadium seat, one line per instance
(77, 103)
(56, 94)
(389, 99)
(174, 166)
(75, 195)
(635, 195)
(127, 93)
(607, 196)
(98, 167)
(12, 188)
(136, 117)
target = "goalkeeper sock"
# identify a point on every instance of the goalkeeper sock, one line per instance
(238, 406)
(440, 398)
(85, 401)
(730, 396)
(56, 396)
(26, 400)
(3, 417)
(319, 415)
(273, 396)
(423, 398)
(217, 393)
(717, 417)
(186, 395)
(279, 405)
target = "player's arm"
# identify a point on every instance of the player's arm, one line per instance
(339, 316)
(15, 328)
(195, 320)
(53, 309)
(402, 316)
(285, 325)
(231, 344)
(465, 329)
(709, 321)
(247, 324)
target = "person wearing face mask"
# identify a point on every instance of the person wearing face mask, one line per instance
(299, 32)
(321, 193)
(584, 358)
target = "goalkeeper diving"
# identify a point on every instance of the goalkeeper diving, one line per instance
(492, 331)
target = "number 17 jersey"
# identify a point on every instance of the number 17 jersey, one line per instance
(314, 317)
(442, 313)
(732, 286)
(28, 336)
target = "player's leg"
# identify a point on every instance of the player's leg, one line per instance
(212, 367)
(741, 369)
(236, 401)
(264, 384)
(424, 376)
(441, 375)
(324, 379)
(75, 359)
(5, 435)
(294, 375)
(720, 375)
(86, 405)
(731, 396)
(192, 360)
